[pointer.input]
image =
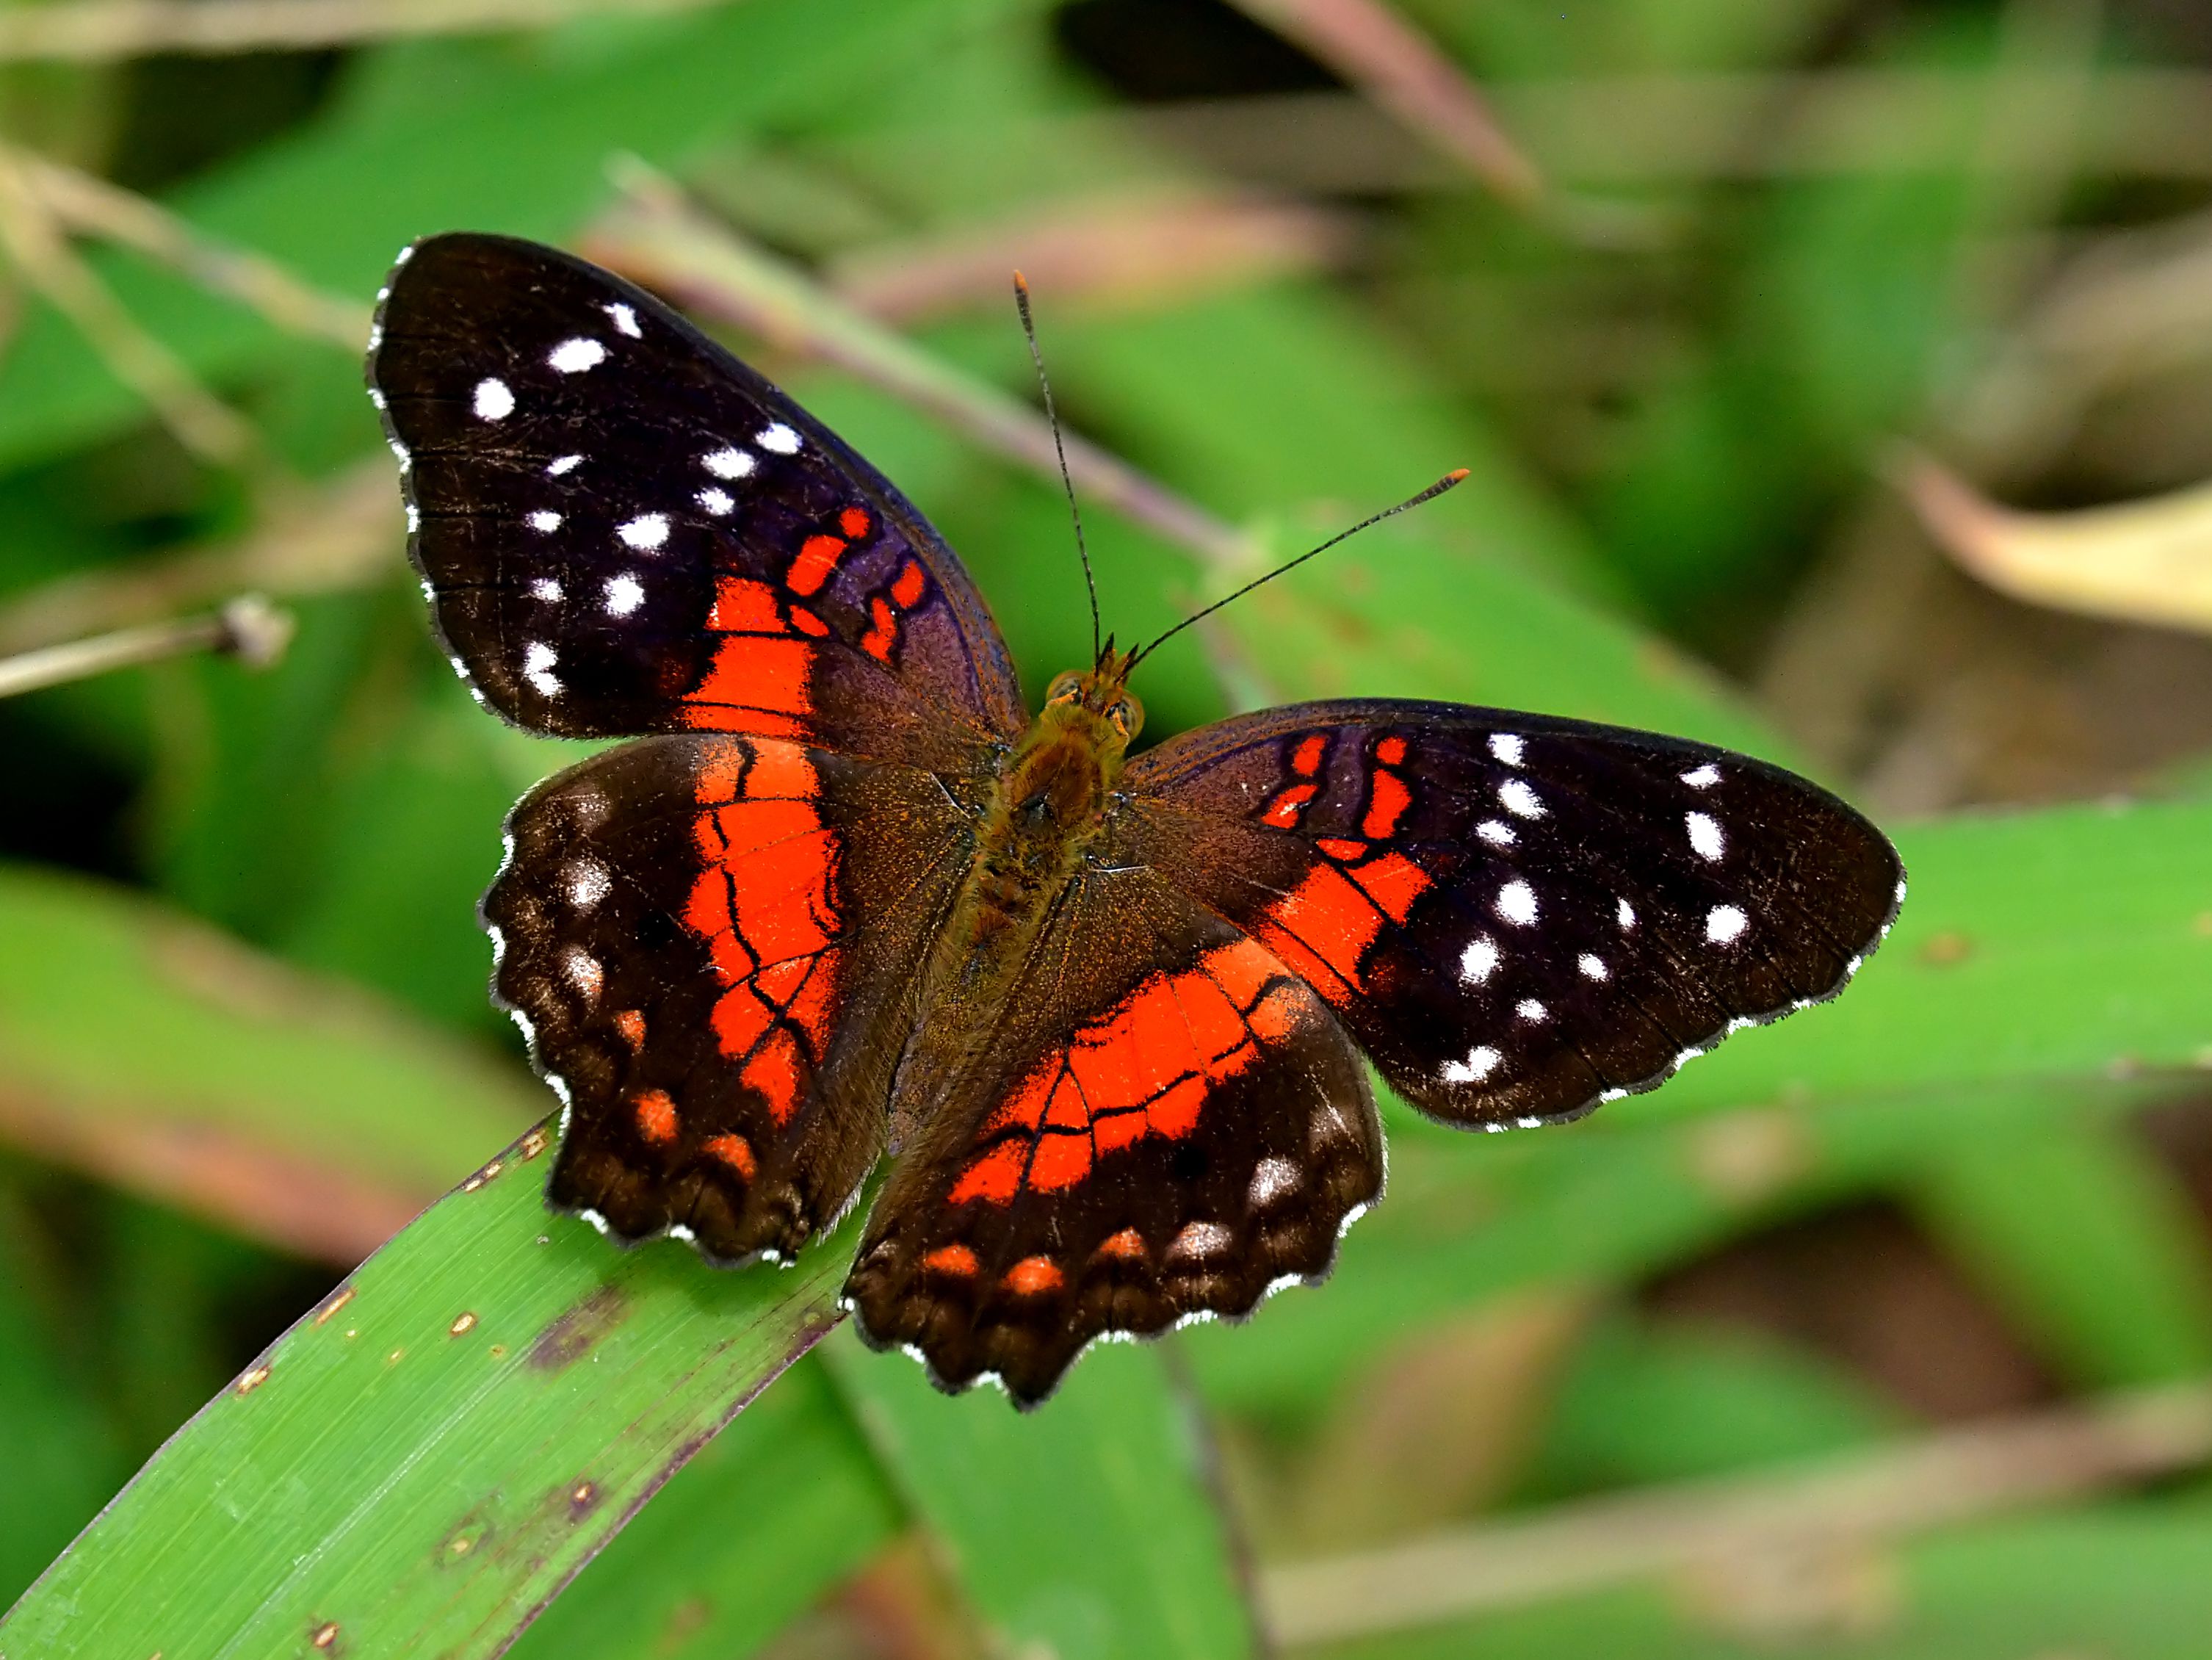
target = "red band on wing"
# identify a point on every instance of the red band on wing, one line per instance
(762, 902)
(755, 684)
(1145, 1067)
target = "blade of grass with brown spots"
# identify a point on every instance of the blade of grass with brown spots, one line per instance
(424, 1461)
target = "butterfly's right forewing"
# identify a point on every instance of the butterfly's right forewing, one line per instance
(622, 529)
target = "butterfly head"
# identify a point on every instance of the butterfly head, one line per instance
(1096, 704)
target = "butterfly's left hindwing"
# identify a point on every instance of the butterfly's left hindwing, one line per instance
(1517, 917)
(713, 941)
(1167, 1123)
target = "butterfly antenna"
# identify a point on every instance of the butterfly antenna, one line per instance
(1029, 332)
(1428, 495)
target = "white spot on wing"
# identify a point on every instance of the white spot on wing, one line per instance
(645, 533)
(1201, 1239)
(588, 883)
(1703, 778)
(583, 970)
(493, 401)
(716, 501)
(1705, 834)
(1272, 1179)
(1520, 800)
(547, 589)
(1497, 832)
(780, 438)
(1529, 1009)
(1626, 913)
(561, 464)
(729, 463)
(1481, 1060)
(414, 518)
(1593, 967)
(538, 661)
(1507, 748)
(1517, 904)
(574, 356)
(1724, 924)
(625, 319)
(624, 594)
(1479, 961)
(541, 521)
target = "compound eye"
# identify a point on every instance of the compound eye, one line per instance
(1124, 716)
(1065, 686)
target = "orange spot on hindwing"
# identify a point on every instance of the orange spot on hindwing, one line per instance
(656, 1117)
(1033, 1276)
(955, 1260)
(735, 1151)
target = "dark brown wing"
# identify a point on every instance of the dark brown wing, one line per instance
(1169, 1124)
(624, 529)
(1516, 917)
(712, 944)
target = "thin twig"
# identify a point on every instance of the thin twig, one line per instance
(657, 238)
(1213, 1471)
(1386, 58)
(342, 534)
(93, 207)
(43, 256)
(1125, 247)
(1961, 1474)
(249, 629)
(97, 29)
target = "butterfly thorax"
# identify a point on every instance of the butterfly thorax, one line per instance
(1046, 808)
(1049, 800)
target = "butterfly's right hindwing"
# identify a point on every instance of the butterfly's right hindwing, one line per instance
(712, 942)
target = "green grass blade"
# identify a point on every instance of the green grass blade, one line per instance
(1082, 1530)
(2090, 1243)
(427, 1458)
(780, 1507)
(163, 1055)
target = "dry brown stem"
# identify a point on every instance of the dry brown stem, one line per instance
(339, 535)
(658, 239)
(1402, 71)
(1736, 1524)
(92, 207)
(42, 255)
(97, 29)
(1122, 248)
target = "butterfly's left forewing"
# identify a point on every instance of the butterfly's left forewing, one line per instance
(1516, 917)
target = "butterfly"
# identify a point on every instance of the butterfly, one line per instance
(841, 894)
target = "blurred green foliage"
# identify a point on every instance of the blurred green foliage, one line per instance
(243, 1032)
